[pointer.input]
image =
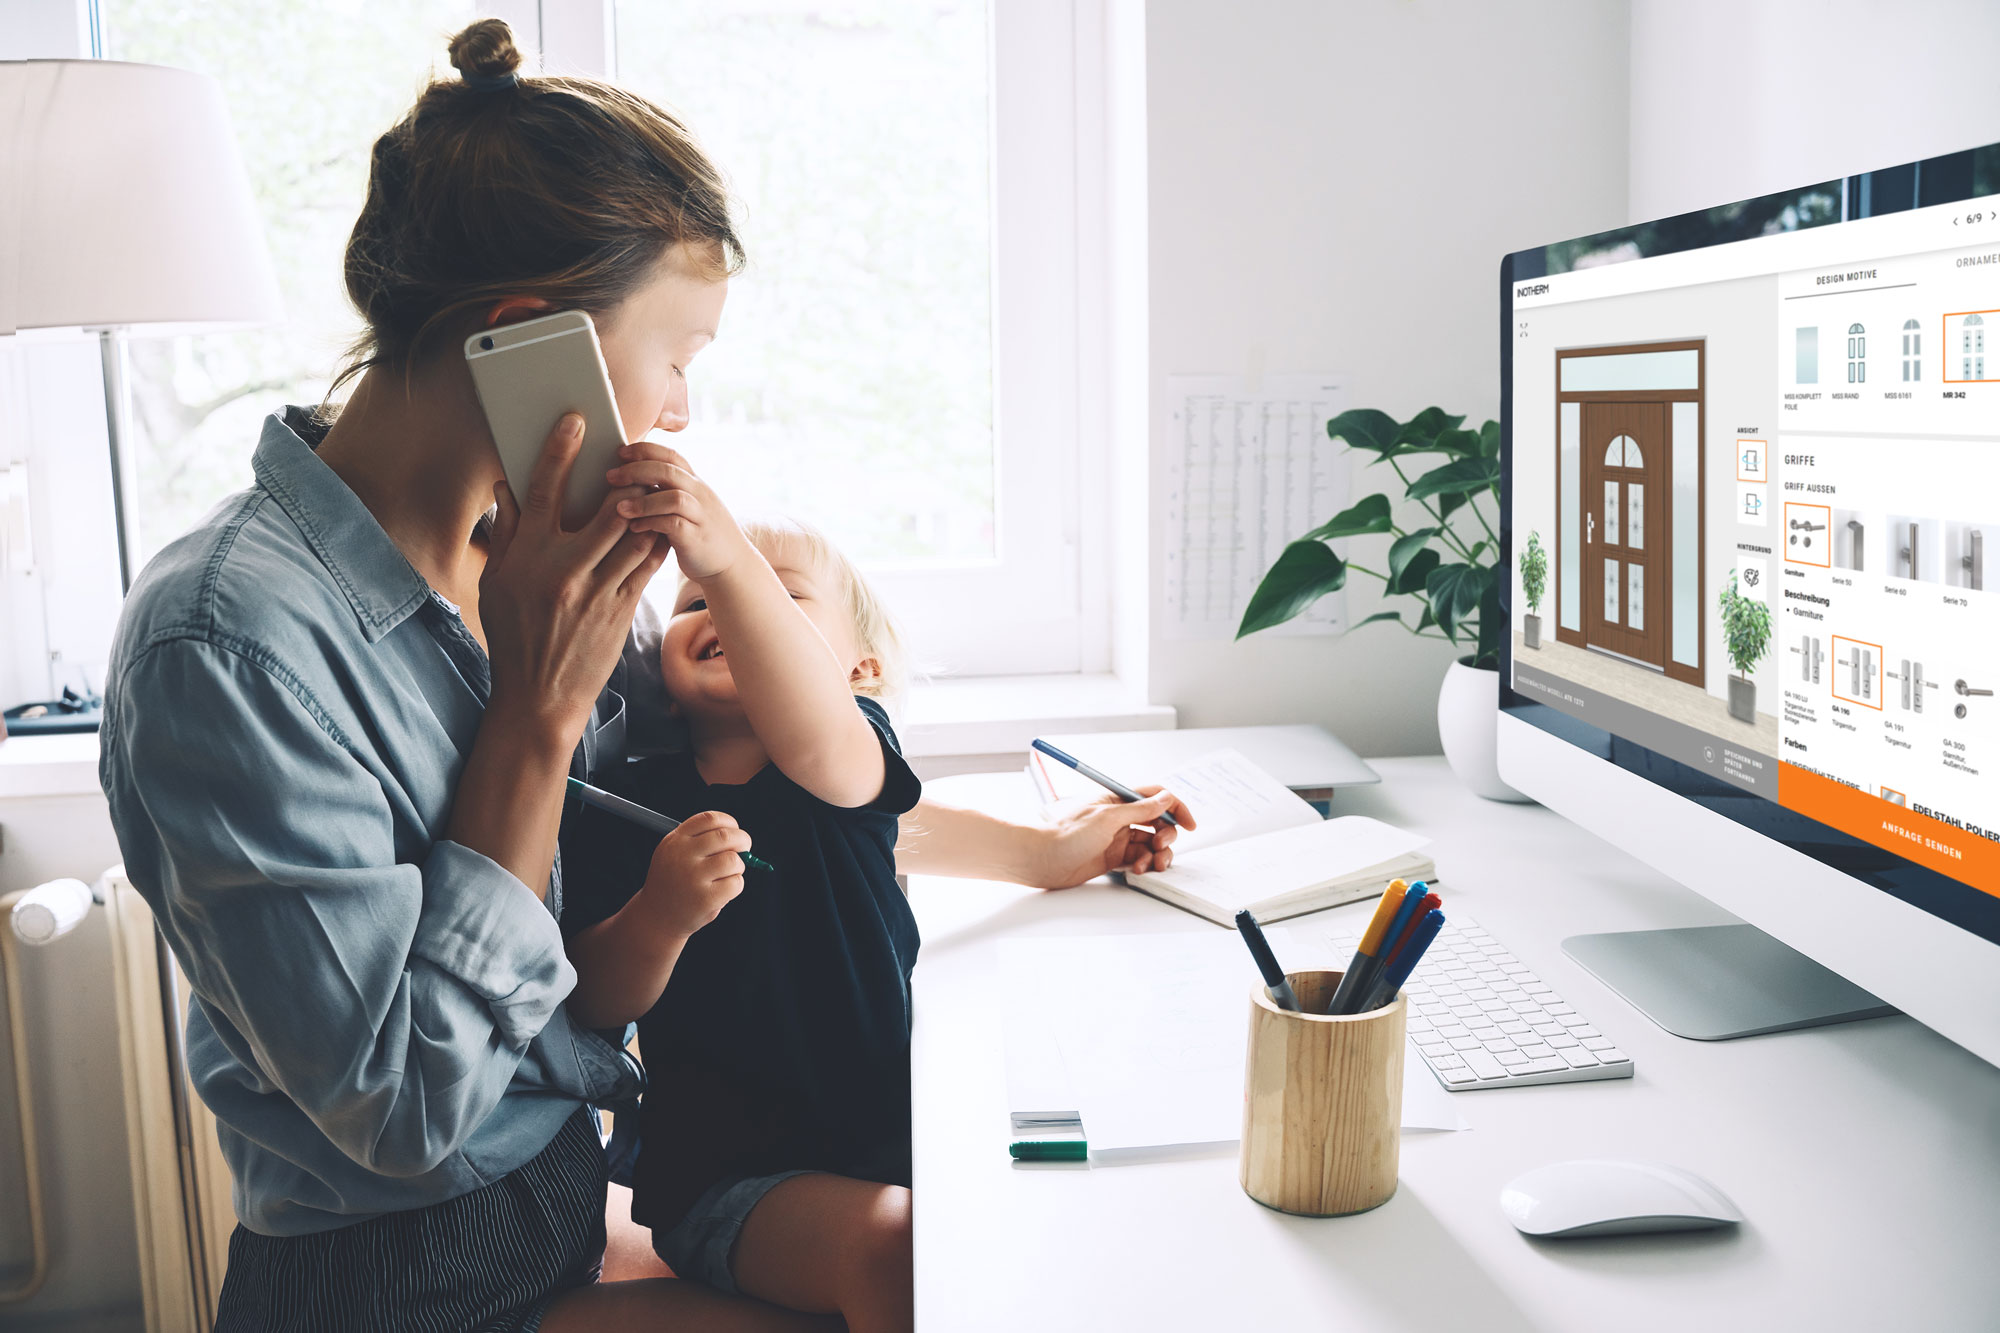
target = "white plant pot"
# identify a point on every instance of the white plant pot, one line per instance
(1469, 725)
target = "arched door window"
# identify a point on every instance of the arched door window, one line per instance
(1623, 452)
(1972, 348)
(1913, 350)
(1857, 354)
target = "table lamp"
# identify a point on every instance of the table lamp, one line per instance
(124, 206)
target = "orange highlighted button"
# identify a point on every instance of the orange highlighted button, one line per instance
(1945, 848)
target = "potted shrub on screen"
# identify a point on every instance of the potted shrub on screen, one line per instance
(1746, 634)
(1534, 565)
(1444, 561)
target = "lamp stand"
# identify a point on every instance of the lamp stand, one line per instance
(111, 348)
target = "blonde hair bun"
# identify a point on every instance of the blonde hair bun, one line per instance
(485, 50)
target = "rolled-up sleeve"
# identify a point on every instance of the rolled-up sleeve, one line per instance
(388, 992)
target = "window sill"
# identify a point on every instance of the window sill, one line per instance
(63, 765)
(981, 723)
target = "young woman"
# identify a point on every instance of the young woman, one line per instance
(340, 715)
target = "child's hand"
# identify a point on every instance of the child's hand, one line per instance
(696, 870)
(1091, 838)
(705, 538)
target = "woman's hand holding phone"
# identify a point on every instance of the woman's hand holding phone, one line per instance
(681, 507)
(557, 605)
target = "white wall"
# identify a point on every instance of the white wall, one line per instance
(1332, 188)
(1731, 99)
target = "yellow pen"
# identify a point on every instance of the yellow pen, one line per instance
(1371, 942)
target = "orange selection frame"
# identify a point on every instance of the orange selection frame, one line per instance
(1766, 456)
(1825, 533)
(1839, 639)
(1945, 352)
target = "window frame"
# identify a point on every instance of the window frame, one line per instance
(1038, 607)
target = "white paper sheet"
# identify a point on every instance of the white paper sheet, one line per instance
(1152, 1030)
(1247, 473)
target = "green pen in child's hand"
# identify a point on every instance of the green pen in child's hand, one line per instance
(644, 818)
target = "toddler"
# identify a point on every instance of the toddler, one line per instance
(774, 1147)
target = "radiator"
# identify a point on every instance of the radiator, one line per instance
(180, 1218)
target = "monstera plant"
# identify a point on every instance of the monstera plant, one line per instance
(1444, 552)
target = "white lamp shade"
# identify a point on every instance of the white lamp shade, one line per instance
(124, 203)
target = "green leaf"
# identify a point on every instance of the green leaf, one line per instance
(1421, 431)
(1458, 477)
(1464, 443)
(1426, 620)
(1417, 572)
(1478, 549)
(1447, 503)
(1491, 623)
(1305, 572)
(1396, 616)
(1454, 591)
(1370, 515)
(1364, 428)
(1404, 548)
(1489, 440)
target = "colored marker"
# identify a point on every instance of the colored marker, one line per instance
(1110, 784)
(643, 817)
(1371, 941)
(1371, 970)
(1275, 985)
(1405, 962)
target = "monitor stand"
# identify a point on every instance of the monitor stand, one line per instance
(1712, 983)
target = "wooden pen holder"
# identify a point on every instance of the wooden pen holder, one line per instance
(1322, 1102)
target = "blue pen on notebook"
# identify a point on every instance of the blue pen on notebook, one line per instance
(1405, 960)
(1275, 985)
(640, 815)
(1110, 784)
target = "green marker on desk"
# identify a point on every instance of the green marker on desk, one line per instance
(644, 818)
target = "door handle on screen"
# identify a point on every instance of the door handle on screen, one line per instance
(1975, 558)
(1963, 688)
(1590, 532)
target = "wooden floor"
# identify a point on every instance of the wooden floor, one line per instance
(1652, 690)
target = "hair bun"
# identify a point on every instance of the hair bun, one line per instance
(485, 50)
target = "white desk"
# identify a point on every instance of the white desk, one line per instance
(1866, 1157)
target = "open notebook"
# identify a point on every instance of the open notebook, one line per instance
(1257, 845)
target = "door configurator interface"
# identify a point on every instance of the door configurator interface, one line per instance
(1767, 479)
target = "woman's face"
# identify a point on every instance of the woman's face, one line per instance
(652, 336)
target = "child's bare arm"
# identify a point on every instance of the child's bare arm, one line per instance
(623, 963)
(794, 692)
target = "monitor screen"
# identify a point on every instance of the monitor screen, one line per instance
(1758, 449)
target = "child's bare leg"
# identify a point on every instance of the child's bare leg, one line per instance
(831, 1244)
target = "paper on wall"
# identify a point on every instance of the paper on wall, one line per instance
(1247, 472)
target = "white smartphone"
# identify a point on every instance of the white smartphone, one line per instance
(527, 375)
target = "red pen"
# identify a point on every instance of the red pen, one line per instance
(1430, 903)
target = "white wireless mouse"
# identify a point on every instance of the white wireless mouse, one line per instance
(1596, 1197)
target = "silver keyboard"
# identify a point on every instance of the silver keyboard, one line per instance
(1481, 1019)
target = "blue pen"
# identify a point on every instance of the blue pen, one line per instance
(1371, 972)
(1275, 985)
(1110, 784)
(1406, 960)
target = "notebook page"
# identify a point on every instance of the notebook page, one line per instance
(1236, 874)
(1231, 798)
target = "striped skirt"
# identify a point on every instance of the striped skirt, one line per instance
(487, 1261)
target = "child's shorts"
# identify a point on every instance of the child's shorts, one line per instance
(700, 1246)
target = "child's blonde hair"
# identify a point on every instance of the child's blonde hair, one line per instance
(874, 630)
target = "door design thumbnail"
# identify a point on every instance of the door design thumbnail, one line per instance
(1629, 525)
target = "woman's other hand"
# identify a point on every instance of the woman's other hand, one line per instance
(680, 506)
(557, 605)
(1086, 839)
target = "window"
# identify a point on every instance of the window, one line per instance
(197, 401)
(1913, 350)
(898, 363)
(1857, 354)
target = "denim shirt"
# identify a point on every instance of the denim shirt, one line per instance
(377, 1017)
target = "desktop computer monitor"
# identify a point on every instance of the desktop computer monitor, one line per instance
(1758, 449)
